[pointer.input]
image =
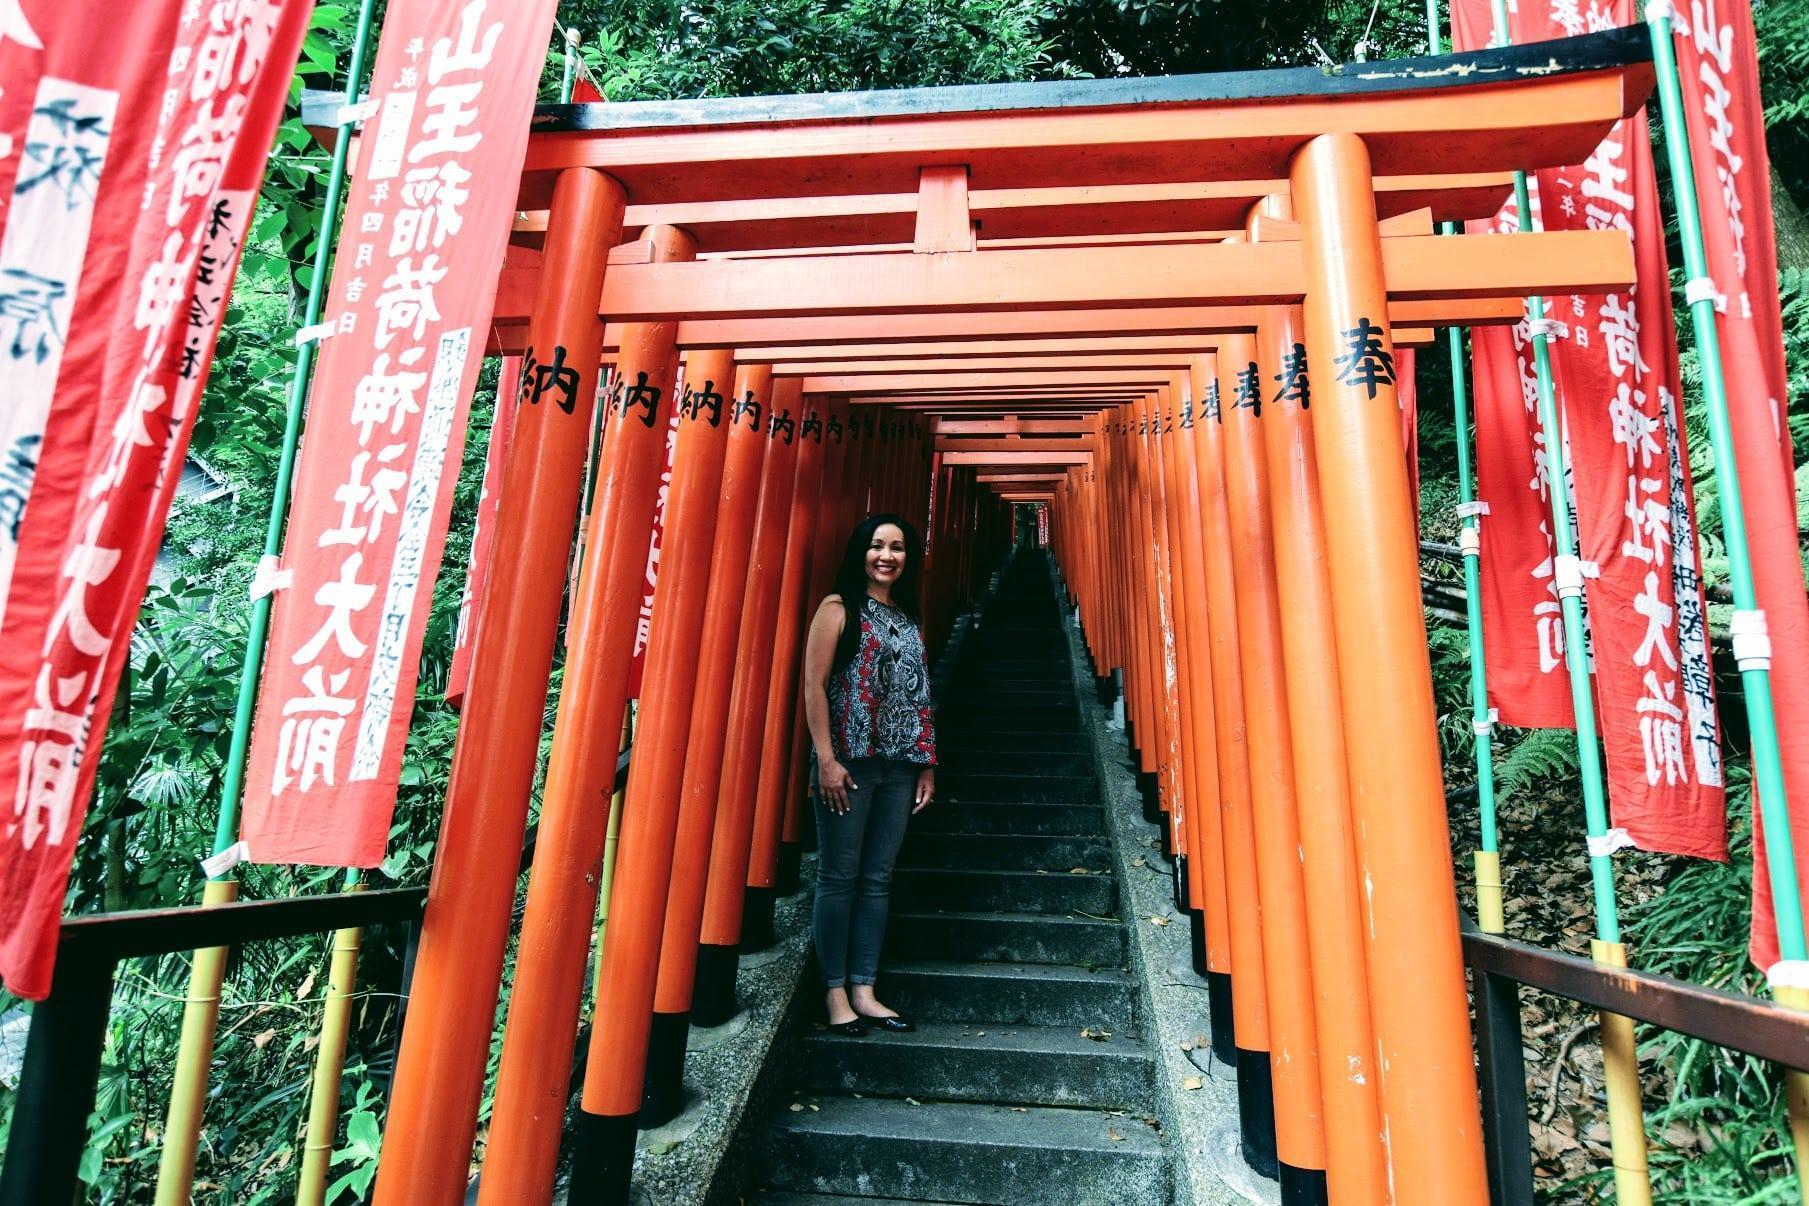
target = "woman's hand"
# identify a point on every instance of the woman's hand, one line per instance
(834, 781)
(926, 789)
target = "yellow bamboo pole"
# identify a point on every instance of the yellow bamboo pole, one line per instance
(329, 1065)
(614, 834)
(194, 1054)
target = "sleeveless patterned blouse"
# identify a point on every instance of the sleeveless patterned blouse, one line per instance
(879, 703)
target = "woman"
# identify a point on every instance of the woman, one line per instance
(867, 700)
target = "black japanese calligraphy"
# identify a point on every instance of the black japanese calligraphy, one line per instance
(560, 378)
(812, 428)
(696, 401)
(1365, 362)
(783, 423)
(749, 407)
(1249, 390)
(1293, 377)
(640, 394)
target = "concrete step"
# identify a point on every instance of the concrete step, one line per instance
(1001, 758)
(931, 888)
(959, 786)
(1004, 851)
(964, 1152)
(996, 816)
(976, 1061)
(1023, 994)
(1005, 938)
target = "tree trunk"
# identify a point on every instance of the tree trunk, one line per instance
(1791, 225)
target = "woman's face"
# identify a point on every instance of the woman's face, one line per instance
(885, 555)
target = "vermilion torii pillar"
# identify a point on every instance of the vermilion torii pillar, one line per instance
(444, 1048)
(748, 441)
(1417, 998)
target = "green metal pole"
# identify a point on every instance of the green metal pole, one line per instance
(1567, 571)
(201, 1006)
(1755, 670)
(1489, 906)
(1620, 1060)
(1749, 620)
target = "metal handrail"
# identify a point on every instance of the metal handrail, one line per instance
(1500, 966)
(61, 1072)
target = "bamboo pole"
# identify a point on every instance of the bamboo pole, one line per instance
(1620, 1067)
(329, 1063)
(612, 838)
(201, 1002)
(1788, 983)
(1490, 915)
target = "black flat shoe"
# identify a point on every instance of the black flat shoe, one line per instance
(856, 1029)
(896, 1025)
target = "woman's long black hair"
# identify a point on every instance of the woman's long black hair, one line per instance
(851, 581)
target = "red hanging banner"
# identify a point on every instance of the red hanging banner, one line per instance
(130, 181)
(1614, 358)
(1718, 66)
(421, 245)
(1522, 624)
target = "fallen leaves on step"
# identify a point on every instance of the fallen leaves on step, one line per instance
(1097, 1034)
(913, 1101)
(1139, 862)
(1186, 1045)
(1193, 1082)
(1114, 1136)
(797, 1107)
(1158, 920)
(1078, 871)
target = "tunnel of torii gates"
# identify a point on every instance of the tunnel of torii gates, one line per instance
(939, 302)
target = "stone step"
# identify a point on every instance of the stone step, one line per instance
(1005, 938)
(996, 816)
(976, 1061)
(991, 738)
(927, 889)
(1004, 851)
(1000, 758)
(783, 1198)
(1023, 994)
(960, 786)
(964, 1152)
(1041, 718)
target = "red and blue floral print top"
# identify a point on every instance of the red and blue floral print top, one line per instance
(879, 703)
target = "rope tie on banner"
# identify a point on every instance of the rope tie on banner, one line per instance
(1660, 10)
(1605, 845)
(216, 865)
(1485, 726)
(1551, 328)
(1788, 973)
(270, 577)
(315, 333)
(1702, 289)
(1752, 640)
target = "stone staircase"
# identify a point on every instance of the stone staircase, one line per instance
(1027, 1081)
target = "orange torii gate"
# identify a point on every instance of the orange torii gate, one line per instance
(859, 240)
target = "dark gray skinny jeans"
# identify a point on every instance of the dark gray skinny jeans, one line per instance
(856, 851)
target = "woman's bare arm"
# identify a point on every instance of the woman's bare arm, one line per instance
(819, 655)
